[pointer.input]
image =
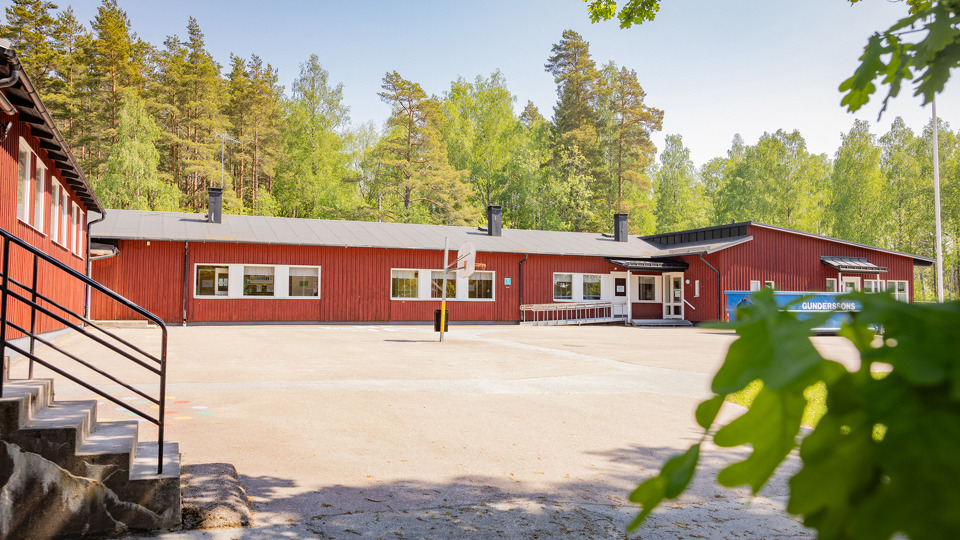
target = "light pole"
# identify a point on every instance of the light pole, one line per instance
(223, 138)
(936, 197)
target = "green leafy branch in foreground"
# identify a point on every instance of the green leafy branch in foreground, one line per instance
(882, 459)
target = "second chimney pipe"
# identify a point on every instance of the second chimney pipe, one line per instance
(620, 227)
(494, 219)
(215, 207)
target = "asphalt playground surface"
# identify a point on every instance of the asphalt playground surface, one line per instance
(497, 432)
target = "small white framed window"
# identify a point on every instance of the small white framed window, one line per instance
(65, 208)
(74, 222)
(39, 190)
(591, 286)
(212, 280)
(769, 285)
(304, 281)
(81, 227)
(55, 210)
(754, 285)
(436, 284)
(872, 286)
(851, 284)
(899, 290)
(480, 286)
(258, 281)
(404, 283)
(563, 286)
(648, 289)
(831, 285)
(24, 162)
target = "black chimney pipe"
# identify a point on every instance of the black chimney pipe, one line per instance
(620, 227)
(216, 204)
(494, 219)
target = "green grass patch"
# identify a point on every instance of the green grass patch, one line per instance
(816, 400)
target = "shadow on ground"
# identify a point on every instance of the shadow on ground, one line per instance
(488, 507)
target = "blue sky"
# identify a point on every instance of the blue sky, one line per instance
(715, 68)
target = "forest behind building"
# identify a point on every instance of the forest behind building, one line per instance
(150, 123)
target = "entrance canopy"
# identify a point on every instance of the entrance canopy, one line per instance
(853, 265)
(648, 265)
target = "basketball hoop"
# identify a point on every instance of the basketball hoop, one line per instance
(466, 260)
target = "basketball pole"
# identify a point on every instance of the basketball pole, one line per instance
(443, 294)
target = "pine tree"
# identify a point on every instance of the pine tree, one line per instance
(414, 174)
(30, 24)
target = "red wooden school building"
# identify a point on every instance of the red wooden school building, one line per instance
(186, 267)
(45, 200)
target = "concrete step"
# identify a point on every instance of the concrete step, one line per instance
(21, 400)
(660, 322)
(107, 454)
(160, 493)
(58, 430)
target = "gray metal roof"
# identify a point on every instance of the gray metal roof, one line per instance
(180, 227)
(704, 247)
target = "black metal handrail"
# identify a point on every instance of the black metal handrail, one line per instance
(28, 295)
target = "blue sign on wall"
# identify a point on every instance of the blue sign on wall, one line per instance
(812, 302)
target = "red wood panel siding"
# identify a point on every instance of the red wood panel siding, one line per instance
(704, 306)
(52, 283)
(647, 310)
(150, 276)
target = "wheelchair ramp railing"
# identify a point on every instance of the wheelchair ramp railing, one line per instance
(573, 313)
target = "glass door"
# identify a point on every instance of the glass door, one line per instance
(673, 296)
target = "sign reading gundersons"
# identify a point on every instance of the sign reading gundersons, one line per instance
(803, 304)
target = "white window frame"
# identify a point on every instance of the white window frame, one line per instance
(65, 219)
(583, 287)
(657, 288)
(424, 286)
(74, 211)
(55, 210)
(493, 286)
(81, 230)
(850, 279)
(416, 288)
(553, 285)
(755, 285)
(769, 285)
(302, 297)
(235, 279)
(831, 285)
(39, 192)
(24, 181)
(893, 287)
(876, 284)
(252, 269)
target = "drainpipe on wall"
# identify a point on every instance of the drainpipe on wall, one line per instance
(521, 282)
(719, 296)
(89, 266)
(186, 272)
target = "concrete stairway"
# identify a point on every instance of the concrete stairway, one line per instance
(63, 474)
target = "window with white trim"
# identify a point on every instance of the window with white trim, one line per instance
(39, 189)
(831, 285)
(872, 285)
(899, 290)
(81, 229)
(23, 182)
(754, 285)
(64, 218)
(648, 290)
(591, 286)
(258, 281)
(563, 286)
(404, 283)
(480, 286)
(74, 221)
(55, 210)
(304, 281)
(212, 280)
(436, 284)
(769, 285)
(850, 284)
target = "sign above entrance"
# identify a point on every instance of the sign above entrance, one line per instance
(649, 265)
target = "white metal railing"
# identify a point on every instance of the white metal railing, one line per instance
(573, 313)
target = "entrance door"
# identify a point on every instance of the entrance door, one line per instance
(851, 283)
(672, 296)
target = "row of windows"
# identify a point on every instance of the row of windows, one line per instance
(426, 284)
(239, 281)
(852, 283)
(65, 225)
